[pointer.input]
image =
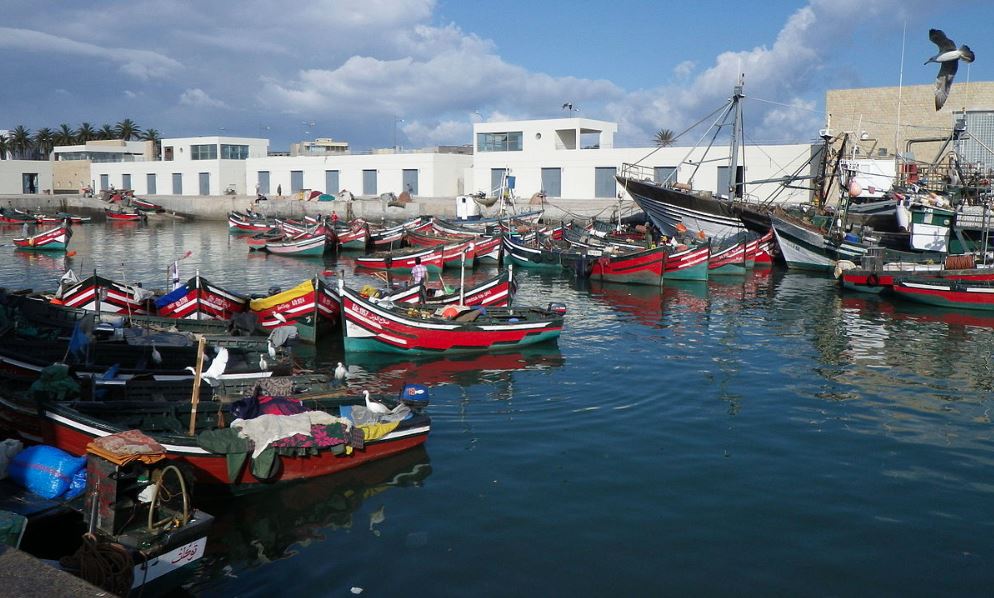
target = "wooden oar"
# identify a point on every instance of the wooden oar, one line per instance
(195, 398)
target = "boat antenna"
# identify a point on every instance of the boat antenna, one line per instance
(737, 139)
(900, 94)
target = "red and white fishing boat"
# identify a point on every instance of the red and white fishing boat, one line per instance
(728, 260)
(241, 222)
(145, 205)
(356, 236)
(56, 239)
(978, 295)
(377, 327)
(687, 263)
(635, 267)
(403, 261)
(121, 216)
(762, 255)
(61, 217)
(312, 306)
(14, 216)
(103, 295)
(394, 235)
(199, 299)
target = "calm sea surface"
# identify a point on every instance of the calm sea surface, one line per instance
(762, 436)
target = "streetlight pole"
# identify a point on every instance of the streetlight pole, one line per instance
(396, 121)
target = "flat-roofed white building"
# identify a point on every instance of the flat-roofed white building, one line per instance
(575, 158)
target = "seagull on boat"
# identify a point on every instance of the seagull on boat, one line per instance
(949, 56)
(156, 356)
(340, 372)
(374, 406)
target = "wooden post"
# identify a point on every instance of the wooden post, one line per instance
(195, 397)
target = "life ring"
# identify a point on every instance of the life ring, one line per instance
(872, 279)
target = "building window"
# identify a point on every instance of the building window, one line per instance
(205, 183)
(664, 175)
(125, 181)
(497, 181)
(552, 182)
(331, 184)
(604, 183)
(150, 183)
(296, 180)
(234, 152)
(411, 181)
(167, 153)
(498, 142)
(104, 182)
(177, 183)
(724, 183)
(203, 152)
(369, 182)
(263, 182)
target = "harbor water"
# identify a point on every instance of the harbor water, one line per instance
(761, 435)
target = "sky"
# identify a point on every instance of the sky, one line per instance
(419, 73)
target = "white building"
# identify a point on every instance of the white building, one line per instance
(575, 158)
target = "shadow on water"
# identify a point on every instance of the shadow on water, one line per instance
(282, 522)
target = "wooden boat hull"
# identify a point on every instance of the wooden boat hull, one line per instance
(56, 239)
(958, 294)
(116, 216)
(105, 296)
(730, 260)
(309, 246)
(371, 327)
(293, 307)
(431, 258)
(200, 299)
(687, 264)
(804, 249)
(641, 267)
(667, 207)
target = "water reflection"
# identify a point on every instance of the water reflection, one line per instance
(281, 522)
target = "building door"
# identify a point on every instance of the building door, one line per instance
(552, 182)
(150, 183)
(369, 182)
(296, 180)
(496, 179)
(723, 181)
(264, 182)
(29, 182)
(177, 183)
(205, 183)
(411, 181)
(604, 183)
(125, 181)
(331, 182)
(104, 182)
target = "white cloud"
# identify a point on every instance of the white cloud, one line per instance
(684, 69)
(198, 98)
(141, 64)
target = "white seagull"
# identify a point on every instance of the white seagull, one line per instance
(949, 56)
(374, 406)
(340, 372)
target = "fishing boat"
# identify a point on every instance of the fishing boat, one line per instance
(977, 295)
(403, 260)
(301, 245)
(200, 299)
(15, 216)
(353, 236)
(55, 239)
(242, 222)
(805, 247)
(634, 267)
(685, 262)
(761, 250)
(61, 217)
(883, 268)
(312, 306)
(324, 445)
(122, 216)
(545, 254)
(144, 205)
(728, 259)
(377, 327)
(393, 236)
(100, 294)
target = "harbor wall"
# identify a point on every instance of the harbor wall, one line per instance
(373, 210)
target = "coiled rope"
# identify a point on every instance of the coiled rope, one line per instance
(107, 565)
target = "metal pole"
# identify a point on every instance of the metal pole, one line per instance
(462, 277)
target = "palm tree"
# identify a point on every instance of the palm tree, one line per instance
(4, 146)
(44, 141)
(106, 132)
(664, 138)
(126, 129)
(154, 136)
(20, 141)
(65, 135)
(85, 133)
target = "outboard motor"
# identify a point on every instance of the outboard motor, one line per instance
(414, 396)
(557, 308)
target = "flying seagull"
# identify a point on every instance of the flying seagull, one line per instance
(949, 56)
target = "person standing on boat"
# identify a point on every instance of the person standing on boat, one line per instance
(418, 272)
(334, 217)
